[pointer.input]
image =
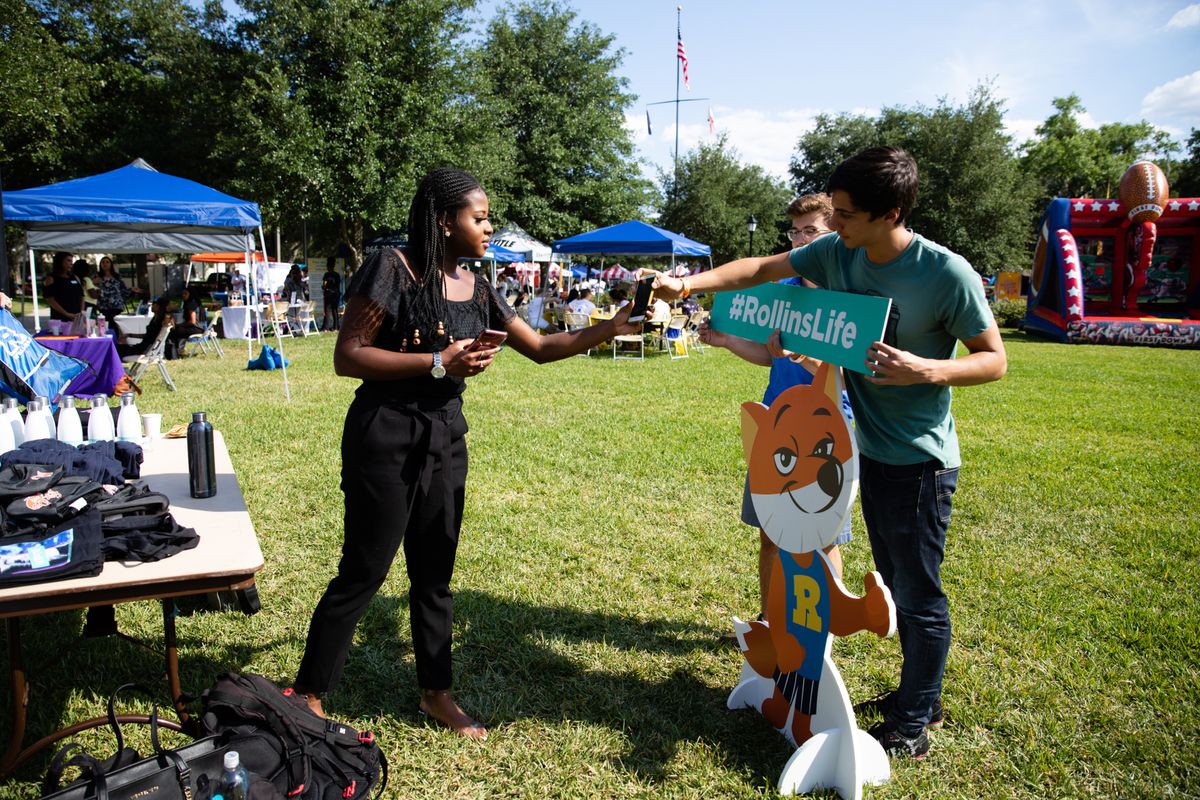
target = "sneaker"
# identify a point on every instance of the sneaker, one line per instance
(896, 744)
(882, 705)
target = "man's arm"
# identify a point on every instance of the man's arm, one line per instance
(735, 275)
(985, 361)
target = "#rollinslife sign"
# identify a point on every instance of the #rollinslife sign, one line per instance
(833, 326)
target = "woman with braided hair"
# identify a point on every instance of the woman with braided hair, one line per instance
(410, 316)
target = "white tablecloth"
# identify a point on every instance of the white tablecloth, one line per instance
(132, 325)
(236, 321)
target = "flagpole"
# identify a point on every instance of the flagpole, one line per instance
(678, 69)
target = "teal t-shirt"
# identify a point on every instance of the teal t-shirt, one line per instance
(937, 300)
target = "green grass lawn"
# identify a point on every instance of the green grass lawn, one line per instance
(602, 557)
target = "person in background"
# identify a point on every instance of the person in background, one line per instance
(191, 325)
(411, 320)
(159, 318)
(82, 270)
(113, 294)
(64, 291)
(295, 291)
(237, 285)
(908, 447)
(331, 292)
(810, 220)
(582, 304)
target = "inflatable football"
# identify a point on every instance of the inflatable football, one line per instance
(1143, 191)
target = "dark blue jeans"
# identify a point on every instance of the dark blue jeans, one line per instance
(907, 512)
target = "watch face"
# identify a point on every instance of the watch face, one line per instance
(438, 372)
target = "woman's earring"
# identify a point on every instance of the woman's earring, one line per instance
(447, 233)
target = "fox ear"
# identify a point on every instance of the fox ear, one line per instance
(829, 381)
(752, 416)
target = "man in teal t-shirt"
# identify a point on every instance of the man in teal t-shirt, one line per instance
(909, 457)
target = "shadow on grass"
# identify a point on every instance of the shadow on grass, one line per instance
(519, 661)
(65, 671)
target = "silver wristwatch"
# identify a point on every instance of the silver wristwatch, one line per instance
(438, 370)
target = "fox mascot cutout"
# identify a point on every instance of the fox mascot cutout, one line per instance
(803, 466)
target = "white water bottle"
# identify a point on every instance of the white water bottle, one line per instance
(11, 416)
(70, 429)
(48, 414)
(35, 421)
(129, 421)
(100, 421)
(7, 442)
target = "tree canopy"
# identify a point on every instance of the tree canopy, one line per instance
(973, 197)
(716, 195)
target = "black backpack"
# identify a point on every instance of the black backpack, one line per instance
(282, 740)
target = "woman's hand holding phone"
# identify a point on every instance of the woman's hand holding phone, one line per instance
(463, 362)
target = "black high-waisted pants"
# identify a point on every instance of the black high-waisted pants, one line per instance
(404, 473)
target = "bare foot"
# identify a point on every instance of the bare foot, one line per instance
(439, 706)
(314, 701)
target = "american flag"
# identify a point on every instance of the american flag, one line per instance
(679, 51)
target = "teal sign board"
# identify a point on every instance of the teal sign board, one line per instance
(833, 326)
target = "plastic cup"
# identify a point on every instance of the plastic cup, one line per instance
(152, 425)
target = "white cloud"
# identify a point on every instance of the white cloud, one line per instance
(1188, 17)
(1179, 98)
(1021, 130)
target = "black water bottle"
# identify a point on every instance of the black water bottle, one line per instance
(202, 469)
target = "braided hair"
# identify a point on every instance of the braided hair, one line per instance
(439, 197)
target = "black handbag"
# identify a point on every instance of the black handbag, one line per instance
(190, 772)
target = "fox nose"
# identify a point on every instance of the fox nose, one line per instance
(830, 477)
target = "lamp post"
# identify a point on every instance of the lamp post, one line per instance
(751, 226)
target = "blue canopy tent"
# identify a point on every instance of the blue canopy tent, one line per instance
(633, 238)
(134, 209)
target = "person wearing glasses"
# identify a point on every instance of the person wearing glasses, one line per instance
(810, 215)
(908, 451)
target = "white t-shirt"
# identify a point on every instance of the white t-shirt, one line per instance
(581, 306)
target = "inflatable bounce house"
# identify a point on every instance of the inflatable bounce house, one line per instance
(1121, 271)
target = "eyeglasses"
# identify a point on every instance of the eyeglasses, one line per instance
(807, 232)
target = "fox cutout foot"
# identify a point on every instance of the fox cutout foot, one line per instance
(803, 478)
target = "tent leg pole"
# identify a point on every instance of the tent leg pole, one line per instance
(33, 288)
(287, 392)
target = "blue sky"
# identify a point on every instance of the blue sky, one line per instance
(769, 67)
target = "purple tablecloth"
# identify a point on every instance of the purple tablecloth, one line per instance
(104, 365)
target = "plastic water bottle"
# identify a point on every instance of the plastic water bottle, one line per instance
(70, 429)
(202, 469)
(35, 421)
(235, 781)
(12, 417)
(129, 421)
(7, 442)
(100, 421)
(48, 414)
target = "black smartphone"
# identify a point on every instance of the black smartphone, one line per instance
(641, 299)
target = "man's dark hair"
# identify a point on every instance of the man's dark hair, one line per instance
(878, 180)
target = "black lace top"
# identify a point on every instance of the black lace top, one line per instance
(386, 282)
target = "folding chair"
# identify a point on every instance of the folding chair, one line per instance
(307, 320)
(155, 354)
(625, 345)
(693, 330)
(206, 340)
(675, 337)
(275, 318)
(575, 322)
